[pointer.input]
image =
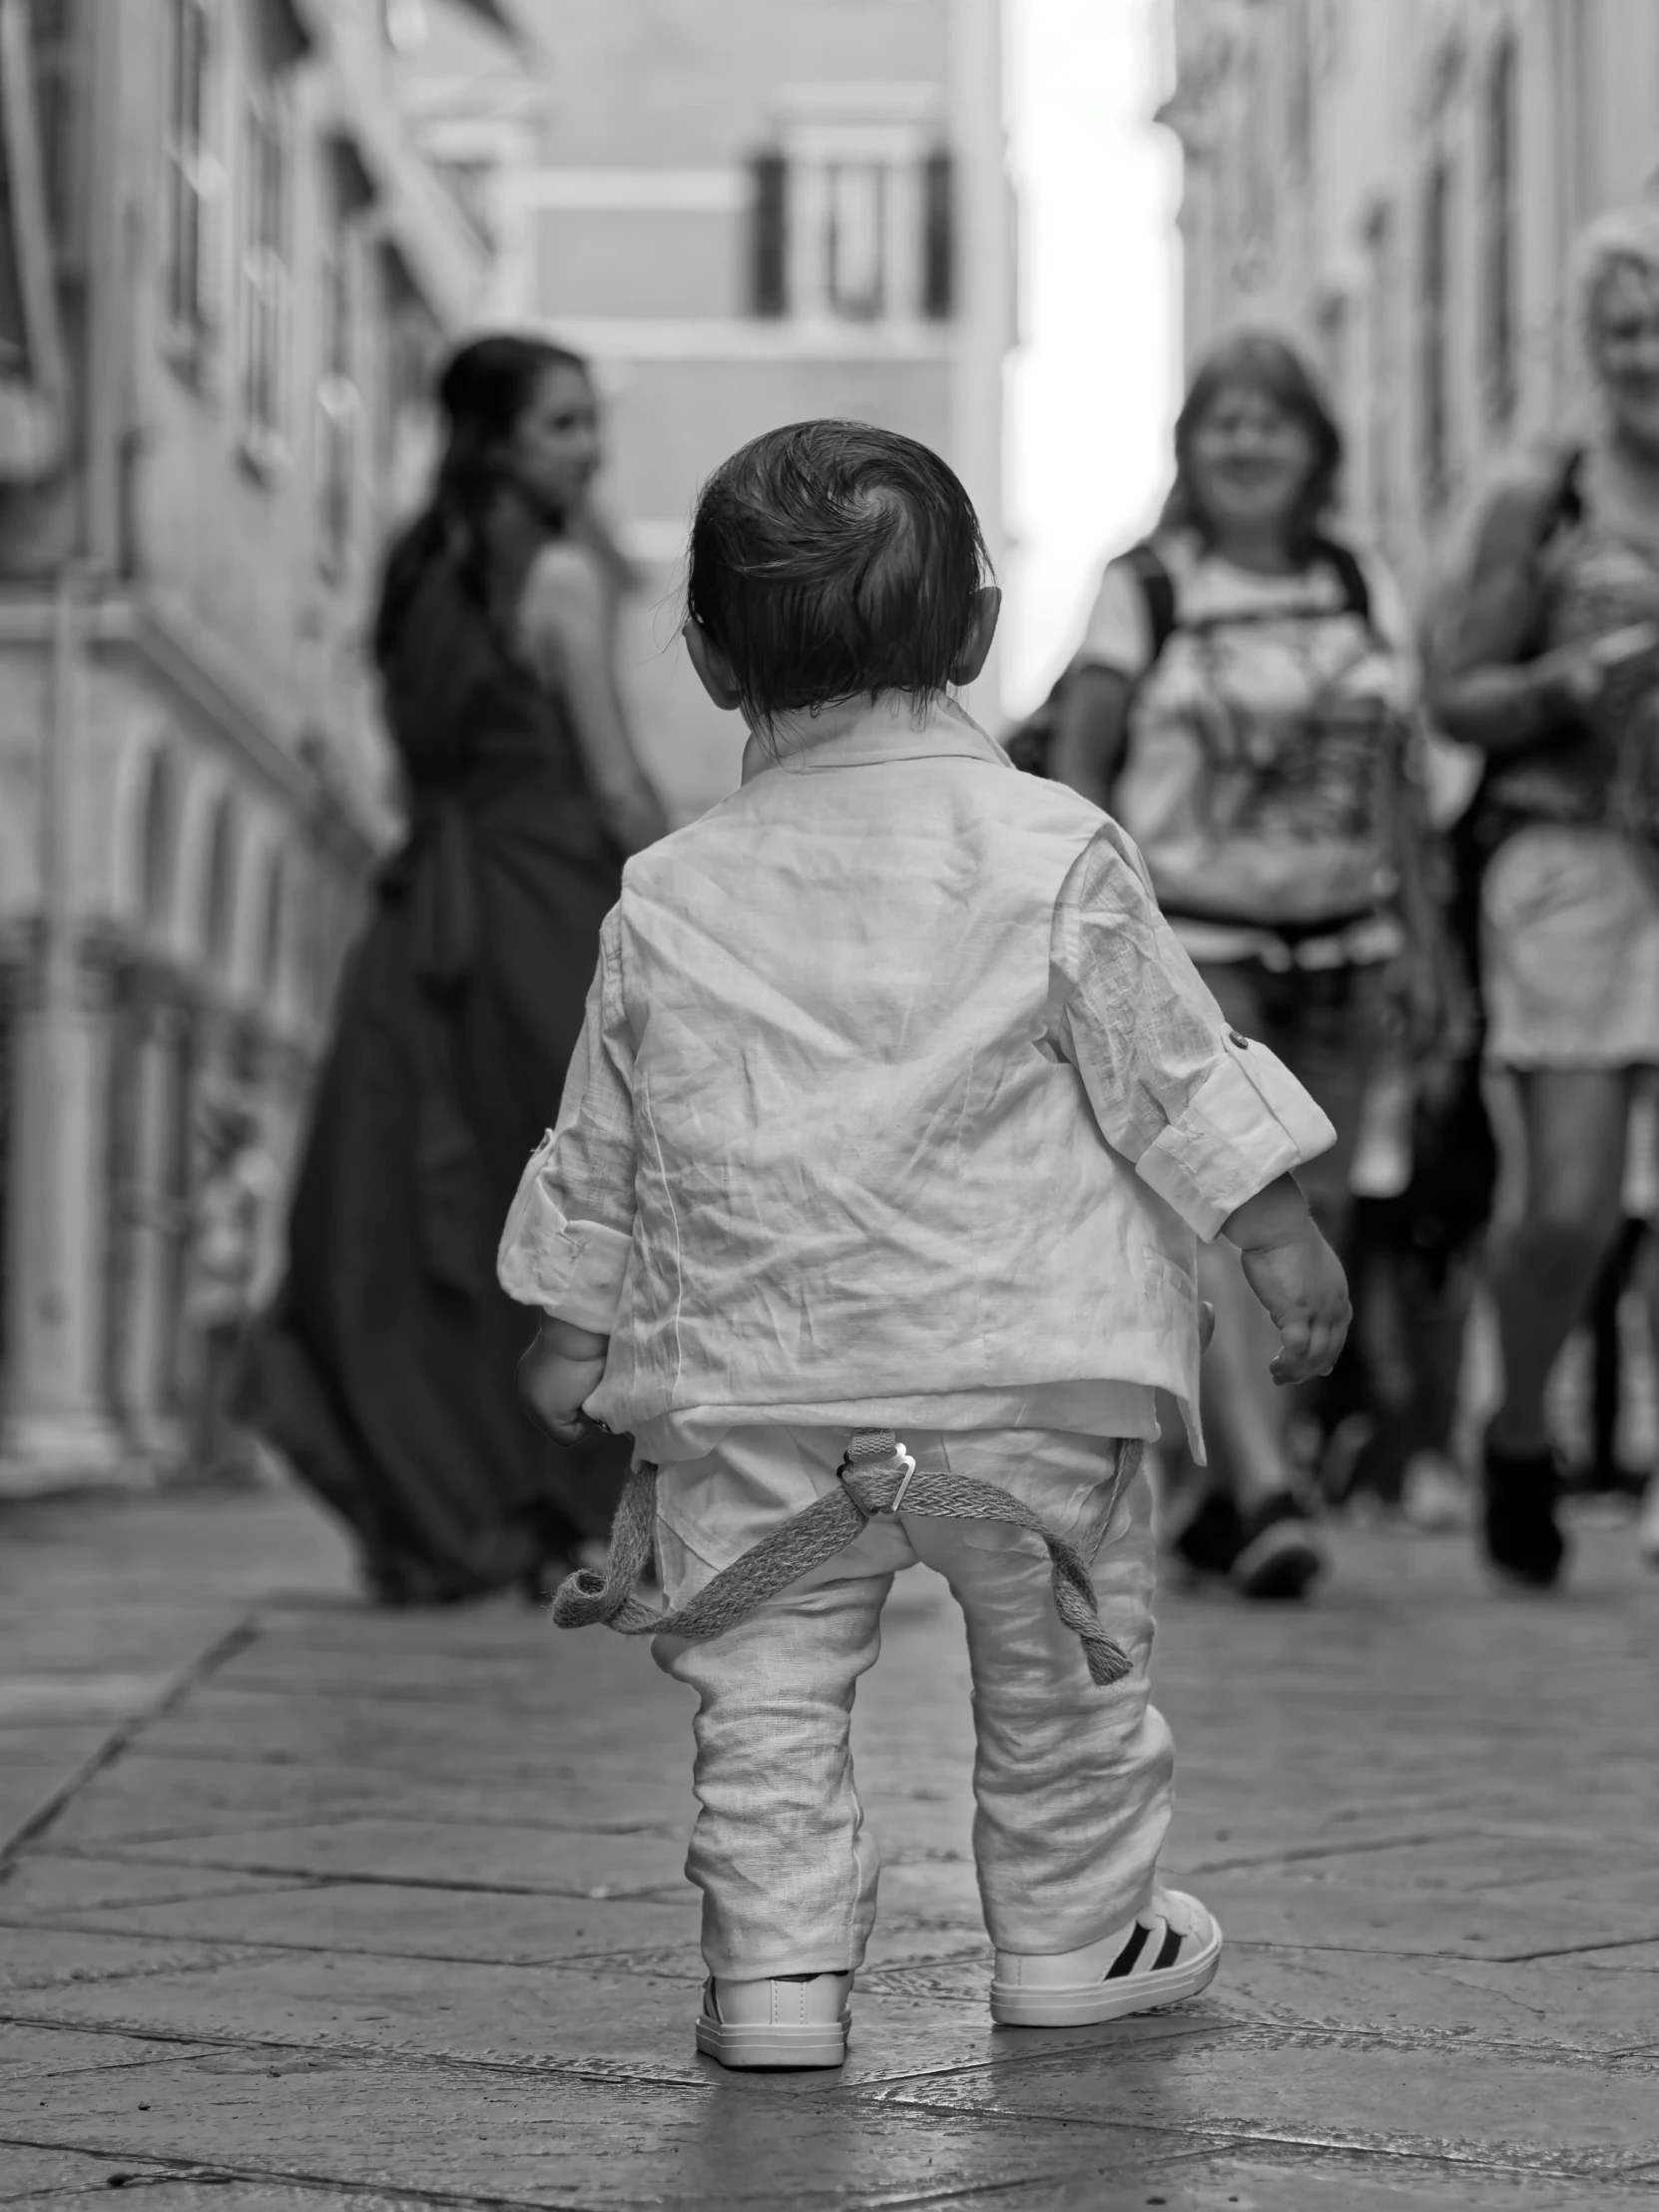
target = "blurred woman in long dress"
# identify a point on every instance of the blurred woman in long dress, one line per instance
(387, 1373)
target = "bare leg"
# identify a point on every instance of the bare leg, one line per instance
(1576, 1122)
(1646, 1276)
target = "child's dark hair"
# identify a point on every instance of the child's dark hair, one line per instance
(830, 561)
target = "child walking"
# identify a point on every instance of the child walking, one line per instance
(871, 1211)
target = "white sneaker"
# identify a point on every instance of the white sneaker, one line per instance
(1169, 1951)
(1647, 1523)
(796, 2020)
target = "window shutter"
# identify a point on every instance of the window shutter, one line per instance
(938, 260)
(769, 246)
(213, 245)
(1497, 327)
(1432, 361)
(59, 61)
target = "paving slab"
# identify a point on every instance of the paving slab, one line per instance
(58, 1884)
(571, 1862)
(154, 1794)
(392, 1918)
(564, 2141)
(336, 1906)
(44, 2180)
(1285, 2179)
(1360, 2092)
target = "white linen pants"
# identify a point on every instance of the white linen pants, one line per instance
(1072, 1782)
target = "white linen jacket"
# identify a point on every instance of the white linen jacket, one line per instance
(897, 1101)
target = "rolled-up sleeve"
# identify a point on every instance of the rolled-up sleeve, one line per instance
(570, 1229)
(1207, 1118)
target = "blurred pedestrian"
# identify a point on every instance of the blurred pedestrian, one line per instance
(1242, 702)
(899, 1105)
(234, 1189)
(1550, 664)
(1622, 1283)
(386, 1375)
(1422, 1184)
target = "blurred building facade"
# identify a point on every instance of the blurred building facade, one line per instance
(224, 276)
(744, 213)
(1400, 186)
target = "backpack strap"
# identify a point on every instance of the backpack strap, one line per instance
(1158, 589)
(1030, 743)
(1350, 575)
(1158, 586)
(1486, 822)
(1569, 494)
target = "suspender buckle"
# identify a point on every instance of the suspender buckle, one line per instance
(909, 1464)
(867, 1447)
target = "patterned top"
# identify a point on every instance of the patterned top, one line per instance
(1265, 747)
(1595, 581)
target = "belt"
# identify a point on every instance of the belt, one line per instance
(876, 1476)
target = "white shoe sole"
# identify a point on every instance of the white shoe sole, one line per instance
(736, 2045)
(1014, 2006)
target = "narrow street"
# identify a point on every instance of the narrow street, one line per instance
(307, 1905)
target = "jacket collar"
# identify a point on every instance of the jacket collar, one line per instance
(867, 734)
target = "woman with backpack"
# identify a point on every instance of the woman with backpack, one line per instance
(1242, 704)
(1548, 662)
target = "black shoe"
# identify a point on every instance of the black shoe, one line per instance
(1210, 1543)
(1519, 1521)
(1278, 1554)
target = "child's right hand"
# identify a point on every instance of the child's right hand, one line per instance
(1296, 1276)
(559, 1373)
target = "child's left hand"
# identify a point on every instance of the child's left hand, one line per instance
(561, 1370)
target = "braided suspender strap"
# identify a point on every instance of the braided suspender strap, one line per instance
(878, 1475)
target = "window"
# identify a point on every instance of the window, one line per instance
(30, 338)
(1433, 335)
(938, 274)
(1497, 290)
(1331, 318)
(193, 180)
(857, 267)
(218, 922)
(271, 931)
(1299, 87)
(265, 284)
(769, 242)
(55, 27)
(410, 344)
(1257, 197)
(472, 181)
(1381, 323)
(852, 214)
(339, 405)
(156, 845)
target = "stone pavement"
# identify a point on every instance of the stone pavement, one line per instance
(308, 1905)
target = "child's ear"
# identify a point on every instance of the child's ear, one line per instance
(714, 670)
(977, 646)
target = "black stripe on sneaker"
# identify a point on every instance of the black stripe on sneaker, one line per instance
(1124, 1962)
(1169, 1954)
